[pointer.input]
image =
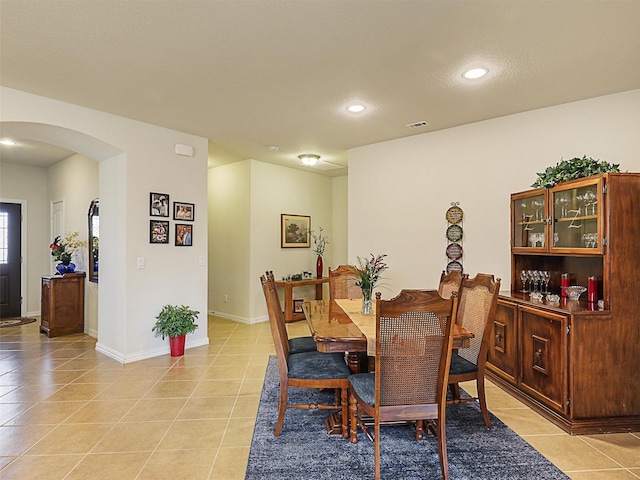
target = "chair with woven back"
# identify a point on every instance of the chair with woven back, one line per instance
(296, 344)
(413, 353)
(449, 283)
(305, 369)
(342, 283)
(477, 300)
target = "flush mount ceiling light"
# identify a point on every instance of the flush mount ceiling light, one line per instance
(475, 73)
(6, 141)
(356, 108)
(309, 159)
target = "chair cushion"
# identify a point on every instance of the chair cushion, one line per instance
(316, 365)
(302, 344)
(460, 366)
(364, 384)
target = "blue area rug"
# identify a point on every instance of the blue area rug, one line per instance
(305, 451)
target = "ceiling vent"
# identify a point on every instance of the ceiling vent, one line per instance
(421, 124)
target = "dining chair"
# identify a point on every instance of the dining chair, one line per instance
(413, 354)
(449, 283)
(477, 302)
(305, 369)
(342, 283)
(296, 344)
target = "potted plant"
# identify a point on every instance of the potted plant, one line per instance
(320, 242)
(368, 272)
(175, 322)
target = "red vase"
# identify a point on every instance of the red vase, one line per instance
(176, 345)
(319, 267)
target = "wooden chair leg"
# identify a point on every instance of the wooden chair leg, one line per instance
(442, 447)
(419, 429)
(454, 388)
(282, 407)
(483, 401)
(344, 410)
(377, 448)
(353, 421)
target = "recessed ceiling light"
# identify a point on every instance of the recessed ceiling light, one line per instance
(475, 73)
(6, 141)
(273, 148)
(309, 159)
(356, 108)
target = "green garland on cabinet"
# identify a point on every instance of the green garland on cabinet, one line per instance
(572, 169)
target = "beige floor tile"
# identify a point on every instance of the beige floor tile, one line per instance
(71, 439)
(526, 422)
(624, 448)
(9, 411)
(231, 463)
(30, 393)
(155, 409)
(208, 407)
(213, 388)
(125, 390)
(17, 440)
(570, 452)
(40, 467)
(100, 375)
(251, 386)
(109, 466)
(225, 372)
(246, 407)
(101, 411)
(239, 432)
(179, 465)
(133, 437)
(194, 434)
(176, 373)
(620, 474)
(77, 391)
(172, 389)
(47, 413)
(231, 360)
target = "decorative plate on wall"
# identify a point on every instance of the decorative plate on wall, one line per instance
(454, 214)
(454, 266)
(454, 233)
(454, 251)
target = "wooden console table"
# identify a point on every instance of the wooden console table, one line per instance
(289, 314)
(62, 304)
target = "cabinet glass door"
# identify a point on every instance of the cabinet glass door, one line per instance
(529, 220)
(576, 217)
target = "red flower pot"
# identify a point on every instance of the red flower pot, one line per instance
(176, 344)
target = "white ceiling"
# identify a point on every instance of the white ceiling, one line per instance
(247, 74)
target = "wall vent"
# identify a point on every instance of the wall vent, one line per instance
(421, 124)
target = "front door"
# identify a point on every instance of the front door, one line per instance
(10, 259)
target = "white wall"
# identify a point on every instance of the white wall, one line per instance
(246, 201)
(135, 159)
(75, 179)
(400, 190)
(339, 221)
(29, 184)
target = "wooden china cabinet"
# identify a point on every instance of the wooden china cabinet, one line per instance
(574, 362)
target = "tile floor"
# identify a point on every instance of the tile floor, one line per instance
(69, 412)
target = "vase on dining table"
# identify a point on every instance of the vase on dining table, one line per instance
(366, 300)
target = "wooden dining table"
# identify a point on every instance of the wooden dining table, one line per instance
(340, 326)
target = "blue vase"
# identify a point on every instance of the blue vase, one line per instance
(62, 268)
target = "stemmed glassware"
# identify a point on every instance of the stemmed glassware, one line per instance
(563, 201)
(537, 205)
(524, 278)
(590, 200)
(545, 276)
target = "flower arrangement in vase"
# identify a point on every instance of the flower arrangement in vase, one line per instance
(320, 242)
(62, 251)
(368, 272)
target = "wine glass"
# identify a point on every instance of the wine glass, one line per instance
(524, 278)
(563, 201)
(590, 200)
(546, 276)
(537, 204)
(580, 200)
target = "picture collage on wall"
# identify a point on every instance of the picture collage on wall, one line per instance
(159, 229)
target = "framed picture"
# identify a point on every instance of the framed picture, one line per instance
(158, 231)
(158, 204)
(294, 231)
(183, 234)
(183, 211)
(297, 305)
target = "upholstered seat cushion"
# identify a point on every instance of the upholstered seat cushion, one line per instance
(316, 365)
(364, 384)
(302, 344)
(460, 366)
